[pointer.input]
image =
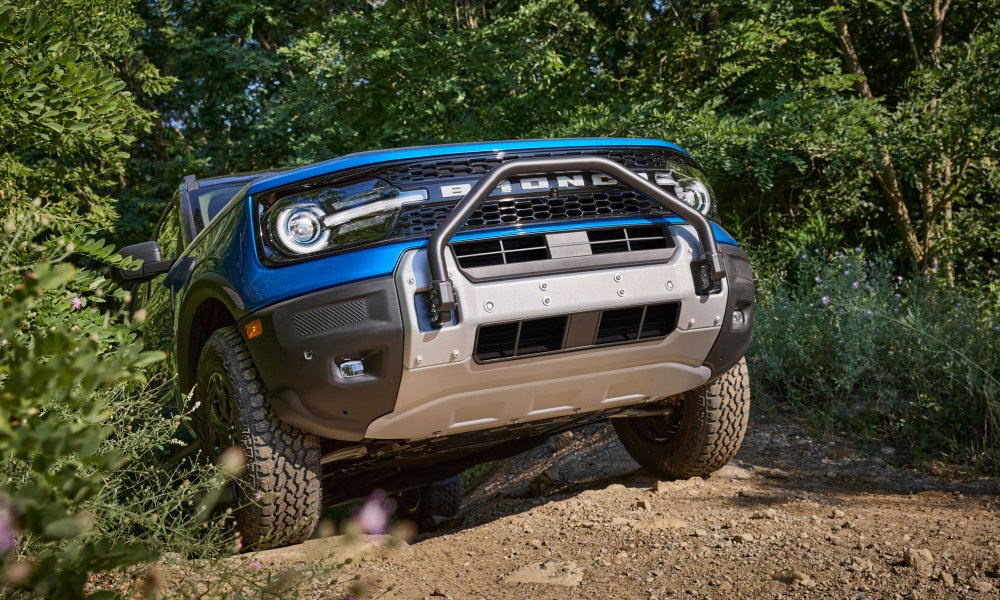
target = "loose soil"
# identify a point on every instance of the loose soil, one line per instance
(791, 517)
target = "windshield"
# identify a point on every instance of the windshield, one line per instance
(206, 202)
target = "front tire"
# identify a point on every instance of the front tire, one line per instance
(700, 436)
(278, 496)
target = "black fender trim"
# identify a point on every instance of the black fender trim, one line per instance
(208, 287)
(734, 338)
(305, 340)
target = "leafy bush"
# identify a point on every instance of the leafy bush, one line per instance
(58, 357)
(862, 348)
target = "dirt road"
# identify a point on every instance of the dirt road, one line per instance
(790, 518)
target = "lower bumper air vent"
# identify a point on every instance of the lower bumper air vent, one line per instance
(641, 243)
(521, 338)
(501, 251)
(577, 331)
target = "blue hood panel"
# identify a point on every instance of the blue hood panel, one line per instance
(364, 159)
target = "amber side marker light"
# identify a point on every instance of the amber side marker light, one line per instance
(254, 329)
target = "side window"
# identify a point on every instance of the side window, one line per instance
(168, 234)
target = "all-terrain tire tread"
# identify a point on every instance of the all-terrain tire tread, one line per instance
(282, 462)
(714, 422)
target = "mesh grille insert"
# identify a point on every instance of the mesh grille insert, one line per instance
(423, 220)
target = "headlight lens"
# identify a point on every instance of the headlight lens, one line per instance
(332, 217)
(691, 186)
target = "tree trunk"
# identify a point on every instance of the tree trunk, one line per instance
(886, 175)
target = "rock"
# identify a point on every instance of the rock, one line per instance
(536, 543)
(662, 487)
(920, 560)
(616, 487)
(547, 573)
(743, 538)
(725, 586)
(832, 474)
(769, 514)
(838, 514)
(980, 585)
(794, 576)
(776, 474)
(643, 505)
(440, 593)
(732, 471)
(545, 482)
(330, 550)
(947, 579)
(700, 533)
(663, 524)
(994, 570)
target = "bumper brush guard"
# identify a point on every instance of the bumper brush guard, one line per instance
(709, 272)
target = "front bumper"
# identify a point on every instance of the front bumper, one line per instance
(422, 382)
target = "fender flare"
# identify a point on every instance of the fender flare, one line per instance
(209, 288)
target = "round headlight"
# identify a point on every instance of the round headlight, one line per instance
(698, 196)
(299, 229)
(692, 188)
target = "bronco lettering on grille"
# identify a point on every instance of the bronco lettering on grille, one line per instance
(564, 181)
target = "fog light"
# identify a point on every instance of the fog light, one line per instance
(738, 317)
(352, 368)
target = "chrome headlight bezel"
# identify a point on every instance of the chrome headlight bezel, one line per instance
(346, 216)
(691, 186)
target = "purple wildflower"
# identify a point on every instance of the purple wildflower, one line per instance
(76, 302)
(258, 495)
(825, 300)
(4, 342)
(868, 313)
(898, 296)
(857, 250)
(817, 279)
(373, 518)
(996, 328)
(349, 597)
(8, 532)
(895, 310)
(958, 305)
(855, 285)
(255, 566)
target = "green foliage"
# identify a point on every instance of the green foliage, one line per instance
(65, 111)
(58, 356)
(757, 91)
(845, 338)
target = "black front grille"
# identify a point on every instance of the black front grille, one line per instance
(501, 341)
(423, 220)
(476, 165)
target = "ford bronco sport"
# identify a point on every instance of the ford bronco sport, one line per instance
(387, 319)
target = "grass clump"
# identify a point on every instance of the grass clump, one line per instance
(858, 347)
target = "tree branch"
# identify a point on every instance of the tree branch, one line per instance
(909, 35)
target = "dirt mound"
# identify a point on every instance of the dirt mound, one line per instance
(576, 518)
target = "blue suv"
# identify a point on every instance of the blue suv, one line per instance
(387, 319)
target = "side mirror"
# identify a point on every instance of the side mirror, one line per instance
(152, 264)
